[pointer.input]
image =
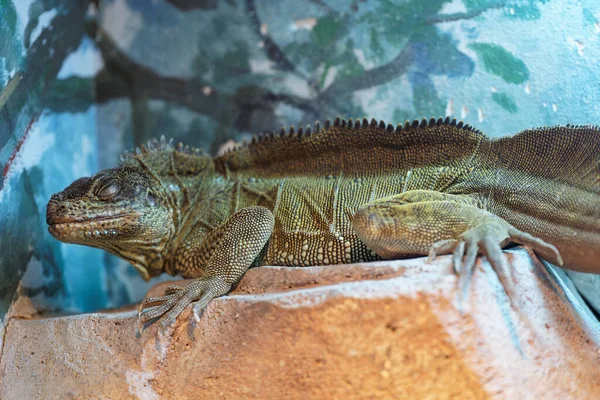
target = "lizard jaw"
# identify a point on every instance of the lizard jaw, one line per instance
(92, 230)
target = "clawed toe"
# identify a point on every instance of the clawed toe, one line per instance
(488, 240)
(464, 264)
(441, 247)
(176, 298)
(151, 302)
(155, 307)
(173, 289)
(457, 256)
(536, 244)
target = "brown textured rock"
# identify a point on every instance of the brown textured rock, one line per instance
(380, 330)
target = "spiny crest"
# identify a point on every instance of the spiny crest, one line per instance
(350, 124)
(570, 154)
(154, 146)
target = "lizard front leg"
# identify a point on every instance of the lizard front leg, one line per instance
(422, 222)
(233, 248)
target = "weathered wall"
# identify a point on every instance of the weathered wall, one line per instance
(205, 72)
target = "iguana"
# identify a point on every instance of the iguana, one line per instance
(350, 191)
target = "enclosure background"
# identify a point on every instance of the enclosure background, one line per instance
(84, 82)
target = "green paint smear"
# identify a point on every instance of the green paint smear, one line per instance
(326, 30)
(9, 15)
(426, 101)
(589, 16)
(72, 94)
(506, 102)
(375, 44)
(323, 76)
(346, 64)
(499, 61)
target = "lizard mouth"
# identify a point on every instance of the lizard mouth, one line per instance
(91, 229)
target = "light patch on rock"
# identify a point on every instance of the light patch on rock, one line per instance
(139, 385)
(152, 355)
(367, 289)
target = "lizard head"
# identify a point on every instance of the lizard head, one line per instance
(118, 210)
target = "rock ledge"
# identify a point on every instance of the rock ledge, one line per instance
(379, 330)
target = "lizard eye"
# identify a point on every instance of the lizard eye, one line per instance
(109, 189)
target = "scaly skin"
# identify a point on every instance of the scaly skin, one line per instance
(345, 193)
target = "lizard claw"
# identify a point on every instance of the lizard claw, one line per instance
(173, 289)
(489, 239)
(441, 247)
(176, 298)
(544, 248)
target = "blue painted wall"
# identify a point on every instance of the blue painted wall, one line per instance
(209, 72)
(48, 138)
(35, 44)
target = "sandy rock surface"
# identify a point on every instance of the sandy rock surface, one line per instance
(379, 330)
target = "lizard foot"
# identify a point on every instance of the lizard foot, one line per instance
(488, 239)
(176, 298)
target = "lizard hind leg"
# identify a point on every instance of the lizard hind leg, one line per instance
(425, 222)
(412, 222)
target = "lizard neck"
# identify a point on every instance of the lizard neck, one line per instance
(202, 206)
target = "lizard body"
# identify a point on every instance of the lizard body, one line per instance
(342, 193)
